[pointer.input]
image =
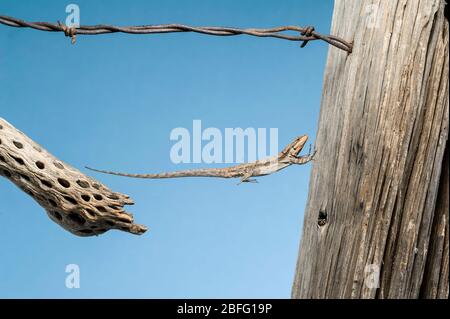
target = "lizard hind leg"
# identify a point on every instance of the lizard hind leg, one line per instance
(246, 179)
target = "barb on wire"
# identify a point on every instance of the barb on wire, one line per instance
(306, 34)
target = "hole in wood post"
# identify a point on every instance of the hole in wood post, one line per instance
(323, 218)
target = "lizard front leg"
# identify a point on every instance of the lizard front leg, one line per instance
(299, 160)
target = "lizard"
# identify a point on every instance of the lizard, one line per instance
(288, 156)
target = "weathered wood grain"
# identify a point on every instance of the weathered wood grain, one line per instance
(71, 199)
(435, 280)
(374, 199)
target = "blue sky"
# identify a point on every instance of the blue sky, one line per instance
(111, 101)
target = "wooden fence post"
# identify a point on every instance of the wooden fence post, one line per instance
(378, 198)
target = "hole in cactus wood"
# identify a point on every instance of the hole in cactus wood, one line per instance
(85, 231)
(18, 160)
(2, 159)
(101, 209)
(98, 196)
(56, 215)
(70, 200)
(25, 177)
(77, 219)
(63, 182)
(7, 173)
(18, 144)
(52, 202)
(40, 165)
(83, 184)
(86, 198)
(46, 183)
(58, 165)
(90, 212)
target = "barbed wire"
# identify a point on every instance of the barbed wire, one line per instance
(306, 33)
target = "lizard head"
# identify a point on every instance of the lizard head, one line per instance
(295, 147)
(298, 144)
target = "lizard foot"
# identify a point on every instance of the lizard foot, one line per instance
(248, 180)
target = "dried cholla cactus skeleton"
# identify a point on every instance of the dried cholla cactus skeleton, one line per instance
(71, 199)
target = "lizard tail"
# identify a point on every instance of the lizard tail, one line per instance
(188, 173)
(117, 174)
